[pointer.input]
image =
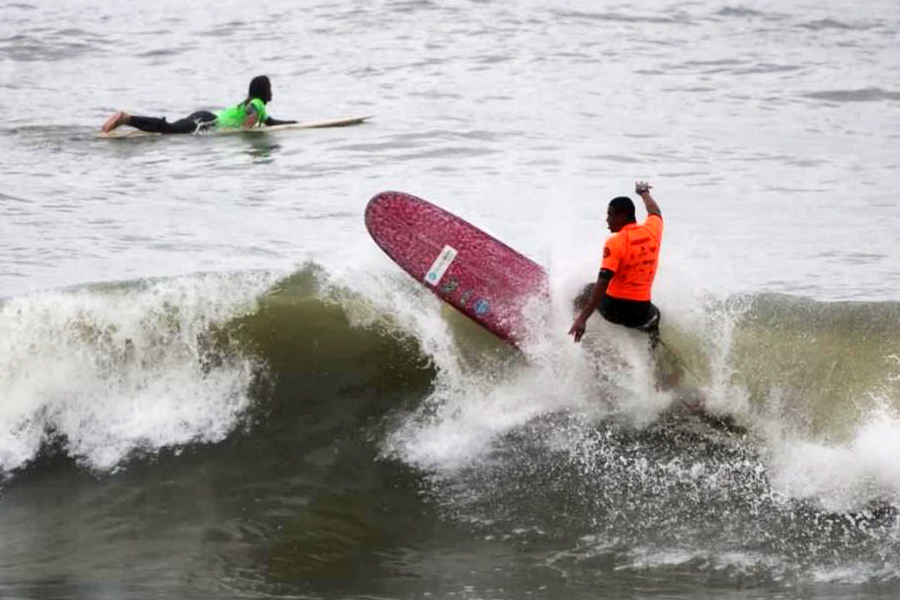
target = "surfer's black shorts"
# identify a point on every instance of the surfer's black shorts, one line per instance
(197, 121)
(631, 313)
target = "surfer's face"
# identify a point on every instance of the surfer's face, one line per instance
(615, 220)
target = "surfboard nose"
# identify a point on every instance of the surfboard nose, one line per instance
(469, 269)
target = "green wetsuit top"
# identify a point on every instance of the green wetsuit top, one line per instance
(236, 116)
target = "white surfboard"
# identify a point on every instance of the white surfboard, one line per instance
(129, 132)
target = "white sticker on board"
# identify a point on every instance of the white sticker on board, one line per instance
(440, 265)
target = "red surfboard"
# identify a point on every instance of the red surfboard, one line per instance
(475, 273)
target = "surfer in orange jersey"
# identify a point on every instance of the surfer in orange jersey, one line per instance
(622, 293)
(630, 259)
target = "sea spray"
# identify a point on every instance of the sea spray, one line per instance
(115, 368)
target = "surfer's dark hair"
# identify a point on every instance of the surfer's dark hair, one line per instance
(260, 87)
(623, 205)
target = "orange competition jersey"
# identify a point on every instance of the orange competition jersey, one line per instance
(632, 254)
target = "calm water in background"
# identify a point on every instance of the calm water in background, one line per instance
(213, 384)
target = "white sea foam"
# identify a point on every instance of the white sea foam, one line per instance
(118, 368)
(844, 476)
(471, 410)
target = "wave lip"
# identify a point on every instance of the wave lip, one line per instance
(117, 368)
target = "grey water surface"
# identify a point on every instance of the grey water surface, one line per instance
(214, 385)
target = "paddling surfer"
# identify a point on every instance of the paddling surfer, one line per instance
(630, 259)
(250, 112)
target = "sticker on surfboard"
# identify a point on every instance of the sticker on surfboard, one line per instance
(440, 266)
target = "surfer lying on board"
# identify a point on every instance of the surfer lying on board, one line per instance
(250, 112)
(630, 258)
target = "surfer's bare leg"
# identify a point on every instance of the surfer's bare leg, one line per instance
(120, 118)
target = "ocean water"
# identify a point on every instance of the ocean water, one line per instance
(214, 385)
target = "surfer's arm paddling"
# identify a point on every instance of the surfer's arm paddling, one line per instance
(270, 122)
(255, 119)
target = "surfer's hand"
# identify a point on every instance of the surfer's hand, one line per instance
(577, 328)
(641, 187)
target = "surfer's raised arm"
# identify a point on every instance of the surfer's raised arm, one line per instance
(642, 189)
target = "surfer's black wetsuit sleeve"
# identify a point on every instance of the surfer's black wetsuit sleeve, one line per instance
(270, 122)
